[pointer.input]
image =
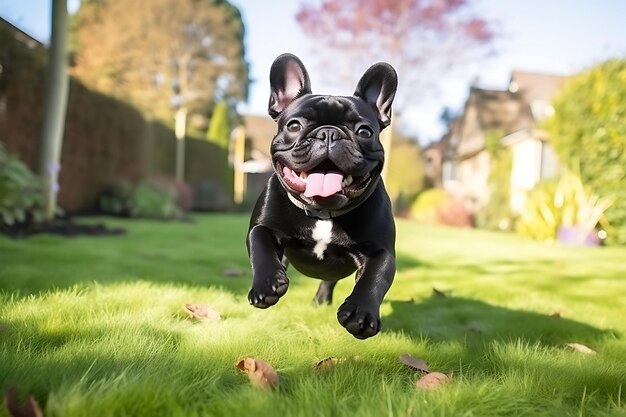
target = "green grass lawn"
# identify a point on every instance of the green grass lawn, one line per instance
(95, 327)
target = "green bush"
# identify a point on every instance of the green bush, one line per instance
(152, 200)
(566, 202)
(182, 192)
(157, 198)
(588, 129)
(21, 197)
(540, 218)
(116, 199)
(424, 209)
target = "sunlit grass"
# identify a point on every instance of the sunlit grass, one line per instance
(95, 327)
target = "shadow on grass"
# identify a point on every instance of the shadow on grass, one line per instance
(476, 338)
(114, 361)
(467, 320)
(406, 261)
(64, 264)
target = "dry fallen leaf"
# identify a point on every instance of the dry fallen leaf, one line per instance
(29, 409)
(432, 381)
(327, 363)
(260, 373)
(201, 312)
(232, 272)
(414, 363)
(438, 293)
(581, 348)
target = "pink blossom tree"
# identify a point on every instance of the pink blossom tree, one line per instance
(422, 39)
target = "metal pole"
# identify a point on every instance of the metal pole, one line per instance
(55, 108)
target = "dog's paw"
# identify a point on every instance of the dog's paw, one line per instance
(266, 294)
(361, 321)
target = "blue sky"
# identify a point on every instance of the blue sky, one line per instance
(552, 36)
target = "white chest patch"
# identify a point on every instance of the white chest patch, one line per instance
(322, 234)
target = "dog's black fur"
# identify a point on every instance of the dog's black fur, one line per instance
(326, 237)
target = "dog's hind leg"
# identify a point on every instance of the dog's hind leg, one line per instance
(324, 293)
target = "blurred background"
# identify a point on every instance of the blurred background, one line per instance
(510, 115)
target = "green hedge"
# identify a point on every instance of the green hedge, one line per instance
(106, 140)
(206, 164)
(588, 132)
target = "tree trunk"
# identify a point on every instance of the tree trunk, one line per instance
(55, 108)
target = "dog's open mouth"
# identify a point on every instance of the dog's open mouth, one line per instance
(324, 180)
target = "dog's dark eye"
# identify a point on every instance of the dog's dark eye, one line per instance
(294, 127)
(364, 132)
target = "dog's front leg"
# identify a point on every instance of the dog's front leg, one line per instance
(269, 279)
(360, 313)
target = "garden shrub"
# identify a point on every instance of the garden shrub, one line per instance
(566, 202)
(153, 200)
(454, 212)
(424, 209)
(116, 199)
(160, 198)
(541, 217)
(588, 130)
(182, 192)
(21, 197)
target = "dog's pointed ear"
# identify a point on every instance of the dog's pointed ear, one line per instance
(378, 88)
(289, 80)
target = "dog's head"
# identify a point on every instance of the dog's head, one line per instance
(327, 152)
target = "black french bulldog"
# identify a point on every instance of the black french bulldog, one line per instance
(325, 209)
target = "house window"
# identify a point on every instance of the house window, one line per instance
(549, 162)
(449, 171)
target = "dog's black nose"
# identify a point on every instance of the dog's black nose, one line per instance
(328, 134)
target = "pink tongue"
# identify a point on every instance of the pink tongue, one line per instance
(323, 185)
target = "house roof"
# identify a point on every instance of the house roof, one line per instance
(534, 86)
(488, 110)
(499, 110)
(516, 109)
